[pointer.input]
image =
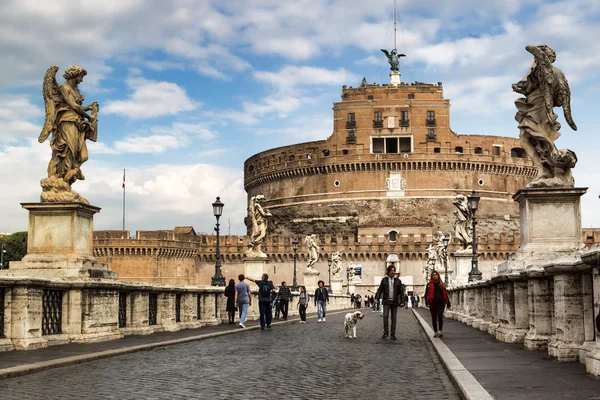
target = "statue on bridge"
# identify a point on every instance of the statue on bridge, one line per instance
(259, 217)
(545, 87)
(70, 125)
(463, 223)
(336, 265)
(313, 251)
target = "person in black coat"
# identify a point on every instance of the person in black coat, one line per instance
(391, 293)
(230, 294)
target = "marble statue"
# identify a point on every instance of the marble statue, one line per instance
(545, 87)
(463, 223)
(336, 265)
(313, 251)
(393, 59)
(442, 249)
(431, 257)
(259, 217)
(70, 125)
(351, 273)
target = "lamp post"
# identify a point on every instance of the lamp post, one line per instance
(295, 247)
(348, 280)
(475, 274)
(446, 240)
(329, 260)
(218, 279)
(2, 256)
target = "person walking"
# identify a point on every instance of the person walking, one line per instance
(302, 304)
(265, 288)
(275, 305)
(436, 297)
(352, 299)
(243, 299)
(321, 300)
(285, 295)
(230, 294)
(391, 293)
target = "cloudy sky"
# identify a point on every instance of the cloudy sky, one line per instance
(189, 89)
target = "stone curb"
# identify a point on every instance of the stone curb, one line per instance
(468, 387)
(31, 368)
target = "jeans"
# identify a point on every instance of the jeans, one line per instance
(302, 310)
(387, 310)
(243, 309)
(283, 304)
(264, 307)
(321, 309)
(437, 316)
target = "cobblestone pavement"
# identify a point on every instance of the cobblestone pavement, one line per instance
(299, 361)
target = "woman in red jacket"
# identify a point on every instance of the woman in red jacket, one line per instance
(436, 297)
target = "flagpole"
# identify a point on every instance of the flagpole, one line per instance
(395, 25)
(123, 199)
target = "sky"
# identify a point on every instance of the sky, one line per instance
(189, 89)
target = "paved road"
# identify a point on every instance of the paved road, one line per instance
(299, 361)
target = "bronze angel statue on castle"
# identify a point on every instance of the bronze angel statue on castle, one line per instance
(70, 125)
(545, 87)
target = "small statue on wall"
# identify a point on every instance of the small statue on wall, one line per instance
(259, 217)
(312, 249)
(336, 265)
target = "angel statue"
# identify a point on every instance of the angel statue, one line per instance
(313, 251)
(545, 87)
(431, 257)
(393, 59)
(442, 248)
(463, 225)
(70, 125)
(336, 265)
(259, 226)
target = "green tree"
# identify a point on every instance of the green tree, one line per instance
(15, 246)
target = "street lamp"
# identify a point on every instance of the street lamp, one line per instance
(446, 240)
(329, 261)
(2, 256)
(295, 247)
(475, 274)
(218, 279)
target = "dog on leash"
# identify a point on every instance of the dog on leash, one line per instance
(350, 322)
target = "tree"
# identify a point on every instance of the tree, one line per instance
(15, 246)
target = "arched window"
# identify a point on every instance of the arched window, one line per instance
(478, 150)
(393, 236)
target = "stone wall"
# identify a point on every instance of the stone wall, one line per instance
(552, 308)
(45, 312)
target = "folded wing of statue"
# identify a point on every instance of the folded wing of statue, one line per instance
(545, 87)
(70, 125)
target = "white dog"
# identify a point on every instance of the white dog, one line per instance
(350, 322)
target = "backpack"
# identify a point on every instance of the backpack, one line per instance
(265, 290)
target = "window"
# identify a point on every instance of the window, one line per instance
(378, 117)
(370, 97)
(436, 150)
(291, 158)
(458, 149)
(478, 150)
(391, 145)
(517, 152)
(404, 115)
(393, 235)
(345, 152)
(334, 240)
(496, 150)
(430, 115)
(251, 168)
(411, 96)
(405, 145)
(326, 153)
(351, 138)
(309, 156)
(351, 118)
(431, 135)
(378, 145)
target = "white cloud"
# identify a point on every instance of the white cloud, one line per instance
(292, 76)
(149, 144)
(151, 99)
(15, 115)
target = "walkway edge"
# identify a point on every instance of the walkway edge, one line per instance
(468, 387)
(31, 368)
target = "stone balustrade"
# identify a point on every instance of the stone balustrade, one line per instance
(41, 312)
(553, 307)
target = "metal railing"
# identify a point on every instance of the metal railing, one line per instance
(52, 312)
(430, 122)
(122, 309)
(152, 308)
(178, 307)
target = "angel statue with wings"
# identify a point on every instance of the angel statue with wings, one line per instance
(70, 125)
(259, 218)
(336, 265)
(313, 251)
(394, 59)
(545, 87)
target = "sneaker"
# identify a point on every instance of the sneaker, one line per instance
(324, 319)
(393, 337)
(385, 335)
(436, 335)
(320, 320)
(440, 334)
(242, 325)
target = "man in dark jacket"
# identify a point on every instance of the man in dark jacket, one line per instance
(265, 288)
(391, 293)
(321, 299)
(285, 294)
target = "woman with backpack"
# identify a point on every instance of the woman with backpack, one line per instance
(230, 294)
(436, 297)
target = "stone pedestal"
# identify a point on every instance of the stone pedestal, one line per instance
(462, 262)
(550, 226)
(60, 243)
(540, 312)
(394, 78)
(310, 280)
(254, 267)
(336, 286)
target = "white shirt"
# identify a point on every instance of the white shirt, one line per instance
(391, 291)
